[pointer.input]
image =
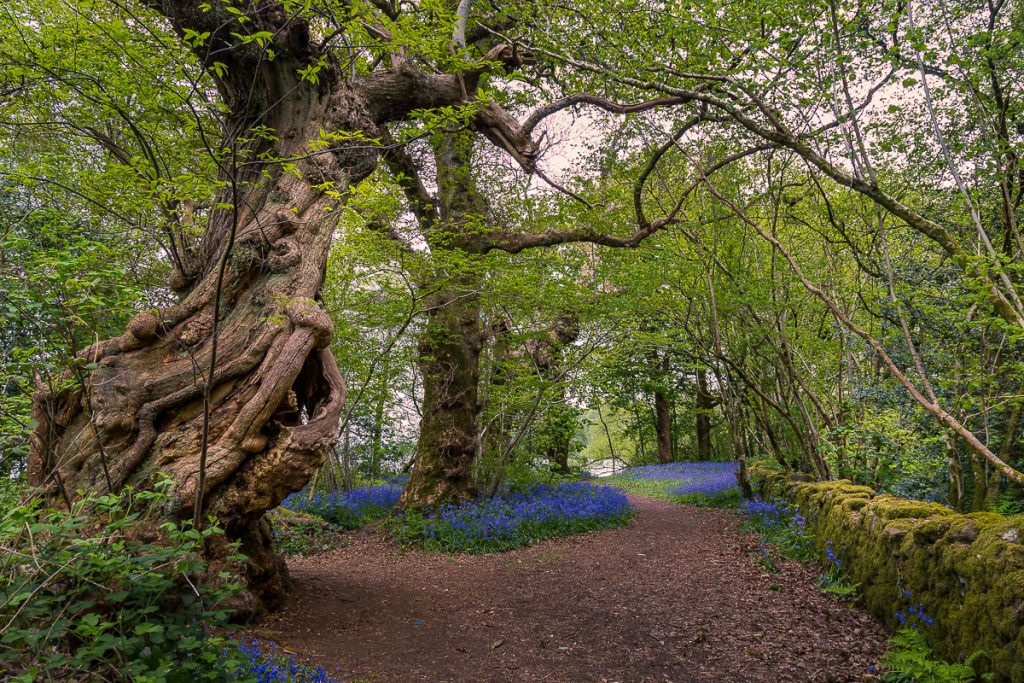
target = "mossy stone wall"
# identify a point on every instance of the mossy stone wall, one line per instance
(966, 572)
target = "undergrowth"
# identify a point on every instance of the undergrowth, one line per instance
(297, 534)
(910, 660)
(514, 519)
(105, 592)
(834, 581)
(781, 526)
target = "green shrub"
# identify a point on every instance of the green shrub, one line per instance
(105, 592)
(834, 582)
(910, 660)
(1010, 502)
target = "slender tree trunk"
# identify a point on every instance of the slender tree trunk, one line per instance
(607, 435)
(1005, 454)
(558, 453)
(956, 477)
(761, 416)
(378, 434)
(494, 434)
(641, 450)
(663, 414)
(979, 475)
(663, 426)
(705, 404)
(737, 429)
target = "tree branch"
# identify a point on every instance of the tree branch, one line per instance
(217, 37)
(558, 105)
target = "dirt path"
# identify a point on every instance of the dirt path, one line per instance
(675, 596)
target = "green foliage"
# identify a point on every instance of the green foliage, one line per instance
(520, 476)
(910, 660)
(105, 591)
(834, 582)
(1010, 502)
(781, 526)
(303, 540)
(63, 285)
(625, 437)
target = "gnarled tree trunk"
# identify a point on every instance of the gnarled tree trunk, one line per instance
(241, 440)
(275, 394)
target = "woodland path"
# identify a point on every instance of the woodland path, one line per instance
(675, 596)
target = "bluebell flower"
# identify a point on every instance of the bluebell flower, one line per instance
(913, 615)
(709, 479)
(831, 555)
(264, 663)
(513, 519)
(348, 509)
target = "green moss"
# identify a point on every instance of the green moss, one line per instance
(986, 518)
(888, 507)
(931, 530)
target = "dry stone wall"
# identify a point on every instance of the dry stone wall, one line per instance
(920, 562)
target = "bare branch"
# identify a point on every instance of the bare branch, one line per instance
(558, 105)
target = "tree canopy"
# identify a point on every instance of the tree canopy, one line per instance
(250, 245)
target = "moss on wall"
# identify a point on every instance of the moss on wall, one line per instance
(964, 571)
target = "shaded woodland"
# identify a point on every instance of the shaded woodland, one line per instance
(256, 247)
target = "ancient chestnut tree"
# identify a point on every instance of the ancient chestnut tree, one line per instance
(232, 390)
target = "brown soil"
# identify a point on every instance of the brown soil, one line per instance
(675, 596)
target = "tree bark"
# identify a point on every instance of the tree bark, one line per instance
(276, 392)
(377, 436)
(453, 336)
(559, 449)
(547, 355)
(450, 366)
(663, 426)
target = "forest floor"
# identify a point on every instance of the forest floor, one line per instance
(677, 595)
